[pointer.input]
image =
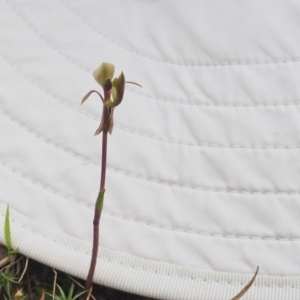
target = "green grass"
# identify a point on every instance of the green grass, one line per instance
(32, 280)
(24, 279)
(38, 279)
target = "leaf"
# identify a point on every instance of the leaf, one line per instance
(7, 230)
(62, 294)
(70, 295)
(246, 287)
(7, 235)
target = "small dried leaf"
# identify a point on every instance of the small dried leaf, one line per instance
(246, 287)
(3, 256)
(89, 293)
(4, 261)
(43, 295)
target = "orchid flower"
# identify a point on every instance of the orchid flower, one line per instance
(113, 90)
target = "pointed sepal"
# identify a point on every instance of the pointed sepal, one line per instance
(89, 94)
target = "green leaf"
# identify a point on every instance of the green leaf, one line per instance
(7, 230)
(70, 295)
(7, 234)
(63, 296)
(13, 251)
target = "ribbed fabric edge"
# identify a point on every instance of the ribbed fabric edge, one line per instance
(137, 275)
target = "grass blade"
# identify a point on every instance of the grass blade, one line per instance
(7, 234)
(7, 230)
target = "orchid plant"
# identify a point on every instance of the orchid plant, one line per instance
(113, 92)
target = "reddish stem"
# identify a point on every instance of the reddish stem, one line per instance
(98, 210)
(104, 158)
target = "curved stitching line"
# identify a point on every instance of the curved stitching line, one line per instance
(201, 233)
(129, 174)
(53, 95)
(158, 98)
(50, 189)
(45, 236)
(174, 63)
(234, 283)
(42, 38)
(203, 189)
(39, 184)
(225, 105)
(127, 265)
(213, 235)
(208, 145)
(144, 269)
(30, 131)
(57, 98)
(59, 194)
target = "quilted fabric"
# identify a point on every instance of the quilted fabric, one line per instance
(203, 178)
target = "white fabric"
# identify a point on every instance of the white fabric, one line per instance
(203, 180)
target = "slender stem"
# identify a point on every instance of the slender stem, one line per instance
(98, 210)
(104, 158)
